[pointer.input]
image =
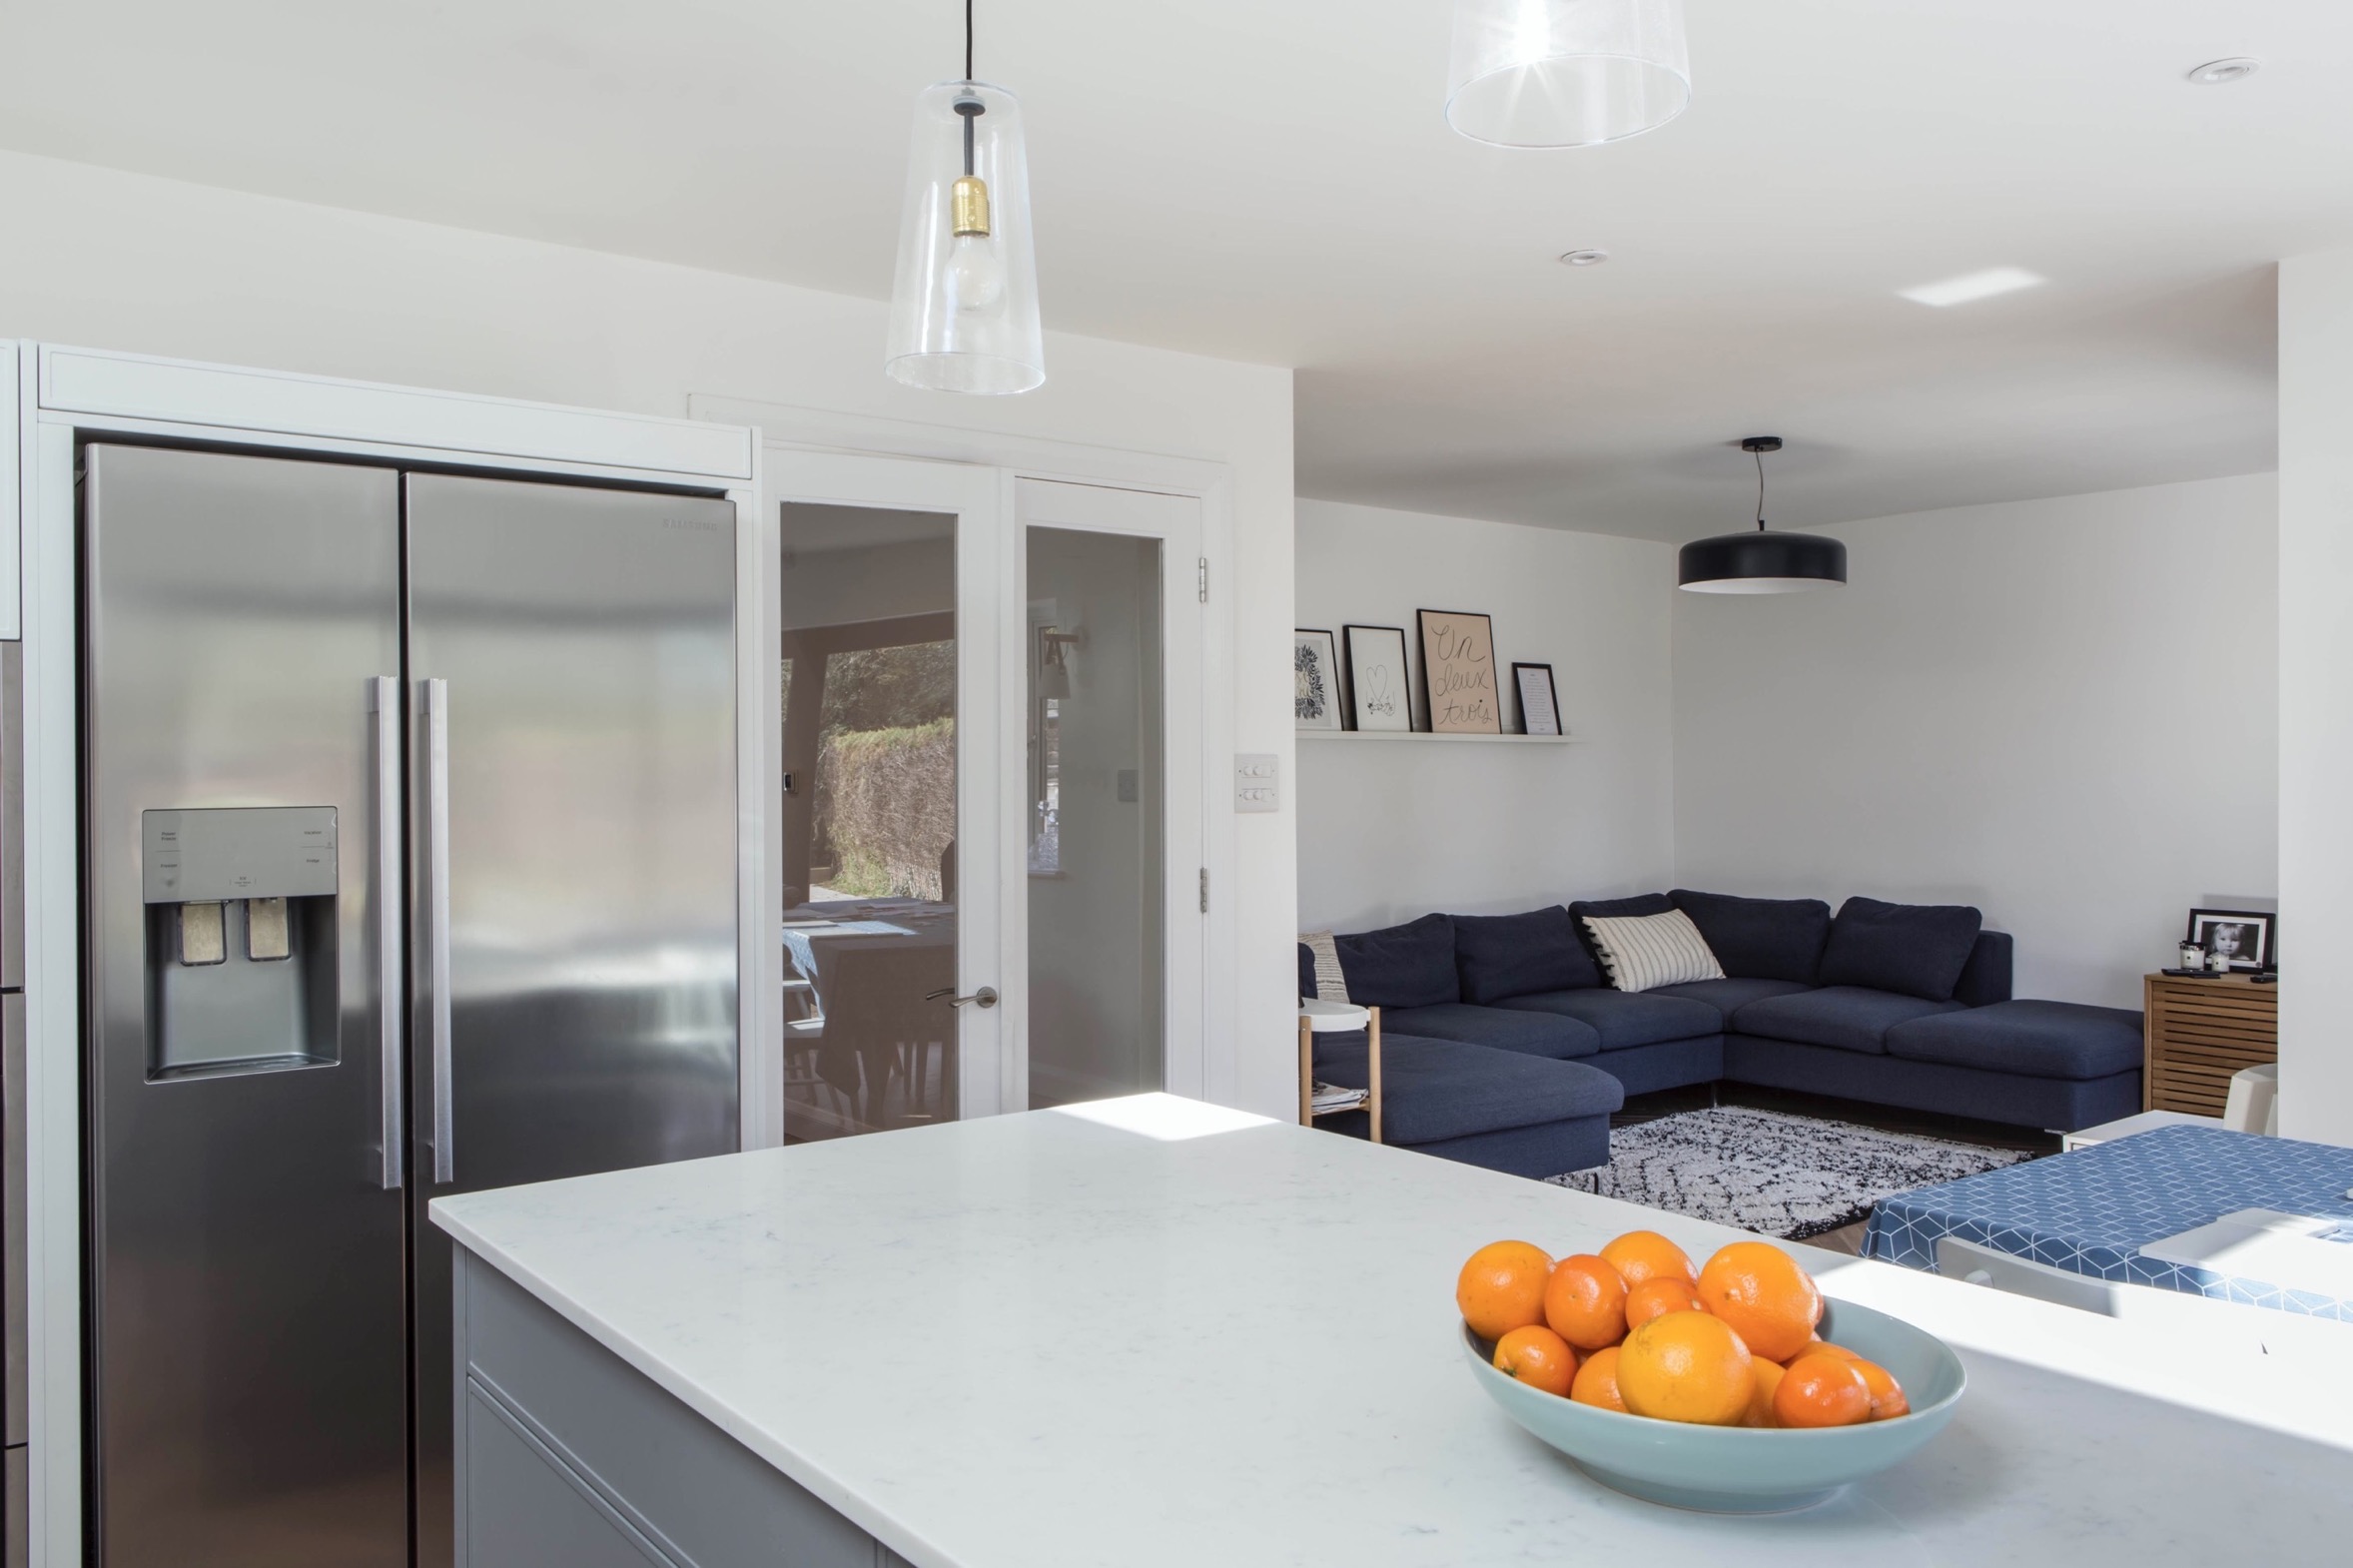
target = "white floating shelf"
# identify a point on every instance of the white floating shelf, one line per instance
(1396, 734)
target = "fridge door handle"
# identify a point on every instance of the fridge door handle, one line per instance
(391, 981)
(437, 814)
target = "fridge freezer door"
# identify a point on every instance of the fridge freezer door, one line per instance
(249, 1359)
(572, 665)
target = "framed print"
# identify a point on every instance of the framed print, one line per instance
(1539, 702)
(1458, 674)
(1378, 697)
(2249, 937)
(1315, 680)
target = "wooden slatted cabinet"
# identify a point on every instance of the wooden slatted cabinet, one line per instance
(2199, 1033)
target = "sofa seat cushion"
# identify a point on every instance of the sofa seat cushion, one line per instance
(2031, 1039)
(1531, 1033)
(1407, 965)
(1919, 950)
(1441, 1089)
(1847, 1017)
(1727, 997)
(1624, 1019)
(1760, 938)
(1501, 955)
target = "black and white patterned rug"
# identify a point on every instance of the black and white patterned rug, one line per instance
(1780, 1175)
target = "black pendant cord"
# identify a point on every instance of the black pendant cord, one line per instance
(1759, 456)
(969, 106)
(968, 40)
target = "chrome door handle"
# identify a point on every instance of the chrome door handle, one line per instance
(391, 980)
(437, 814)
(985, 997)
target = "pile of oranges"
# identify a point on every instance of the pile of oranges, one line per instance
(1637, 1330)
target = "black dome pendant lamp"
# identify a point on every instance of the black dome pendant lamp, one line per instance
(1765, 561)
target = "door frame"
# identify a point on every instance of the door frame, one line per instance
(786, 427)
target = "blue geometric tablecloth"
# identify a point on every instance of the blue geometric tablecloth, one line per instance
(2091, 1210)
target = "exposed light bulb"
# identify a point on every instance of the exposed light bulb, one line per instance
(976, 273)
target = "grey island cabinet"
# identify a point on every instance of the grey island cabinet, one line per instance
(1155, 1334)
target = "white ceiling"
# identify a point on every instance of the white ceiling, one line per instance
(1275, 182)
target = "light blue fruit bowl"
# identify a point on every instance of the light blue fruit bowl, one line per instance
(1737, 1469)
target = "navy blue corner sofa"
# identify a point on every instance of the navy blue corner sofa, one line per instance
(1503, 1044)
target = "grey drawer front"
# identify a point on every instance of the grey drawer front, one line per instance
(699, 1494)
(12, 1206)
(19, 1552)
(12, 815)
(526, 1512)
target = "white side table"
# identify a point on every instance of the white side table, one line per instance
(1339, 1018)
(2145, 1121)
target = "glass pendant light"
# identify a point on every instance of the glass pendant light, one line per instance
(1763, 561)
(963, 309)
(1566, 73)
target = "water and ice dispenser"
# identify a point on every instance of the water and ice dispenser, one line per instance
(241, 939)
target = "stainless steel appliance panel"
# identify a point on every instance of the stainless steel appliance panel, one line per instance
(248, 1362)
(573, 827)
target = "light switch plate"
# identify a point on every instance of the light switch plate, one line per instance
(1255, 786)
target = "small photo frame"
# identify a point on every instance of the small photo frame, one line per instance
(1380, 697)
(1539, 701)
(1315, 680)
(2249, 937)
(1458, 674)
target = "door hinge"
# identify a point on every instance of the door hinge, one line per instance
(1205, 579)
(1205, 890)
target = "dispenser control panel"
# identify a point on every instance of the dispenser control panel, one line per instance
(260, 851)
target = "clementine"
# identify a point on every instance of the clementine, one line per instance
(1886, 1395)
(1656, 1298)
(1597, 1381)
(1764, 1296)
(1687, 1366)
(1645, 1254)
(1502, 1288)
(1538, 1357)
(1585, 1302)
(1768, 1375)
(1821, 1390)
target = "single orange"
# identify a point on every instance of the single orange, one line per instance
(1760, 1290)
(1597, 1381)
(1585, 1302)
(1502, 1288)
(1768, 1375)
(1538, 1357)
(1656, 1298)
(1645, 1254)
(1886, 1395)
(1821, 1390)
(1687, 1366)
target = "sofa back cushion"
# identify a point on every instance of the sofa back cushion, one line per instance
(1408, 966)
(1760, 938)
(1307, 987)
(1913, 950)
(1498, 956)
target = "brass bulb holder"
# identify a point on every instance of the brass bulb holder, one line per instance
(970, 206)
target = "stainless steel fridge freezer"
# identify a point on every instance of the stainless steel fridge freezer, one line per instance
(410, 816)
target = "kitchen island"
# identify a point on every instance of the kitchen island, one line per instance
(1154, 1332)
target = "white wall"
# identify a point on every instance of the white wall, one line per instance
(2065, 712)
(2316, 692)
(100, 257)
(1389, 829)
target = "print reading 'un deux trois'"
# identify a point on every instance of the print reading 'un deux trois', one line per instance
(1460, 656)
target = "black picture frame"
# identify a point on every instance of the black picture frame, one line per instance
(2265, 924)
(1316, 679)
(1458, 654)
(1386, 708)
(1520, 686)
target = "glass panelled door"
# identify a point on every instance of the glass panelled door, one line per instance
(986, 832)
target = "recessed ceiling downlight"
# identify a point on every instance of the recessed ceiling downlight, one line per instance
(2220, 73)
(1584, 258)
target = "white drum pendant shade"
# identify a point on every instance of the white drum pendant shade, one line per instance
(1566, 73)
(964, 311)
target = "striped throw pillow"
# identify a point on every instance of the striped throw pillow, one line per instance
(1330, 984)
(1645, 952)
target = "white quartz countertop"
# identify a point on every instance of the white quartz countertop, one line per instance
(1152, 1332)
